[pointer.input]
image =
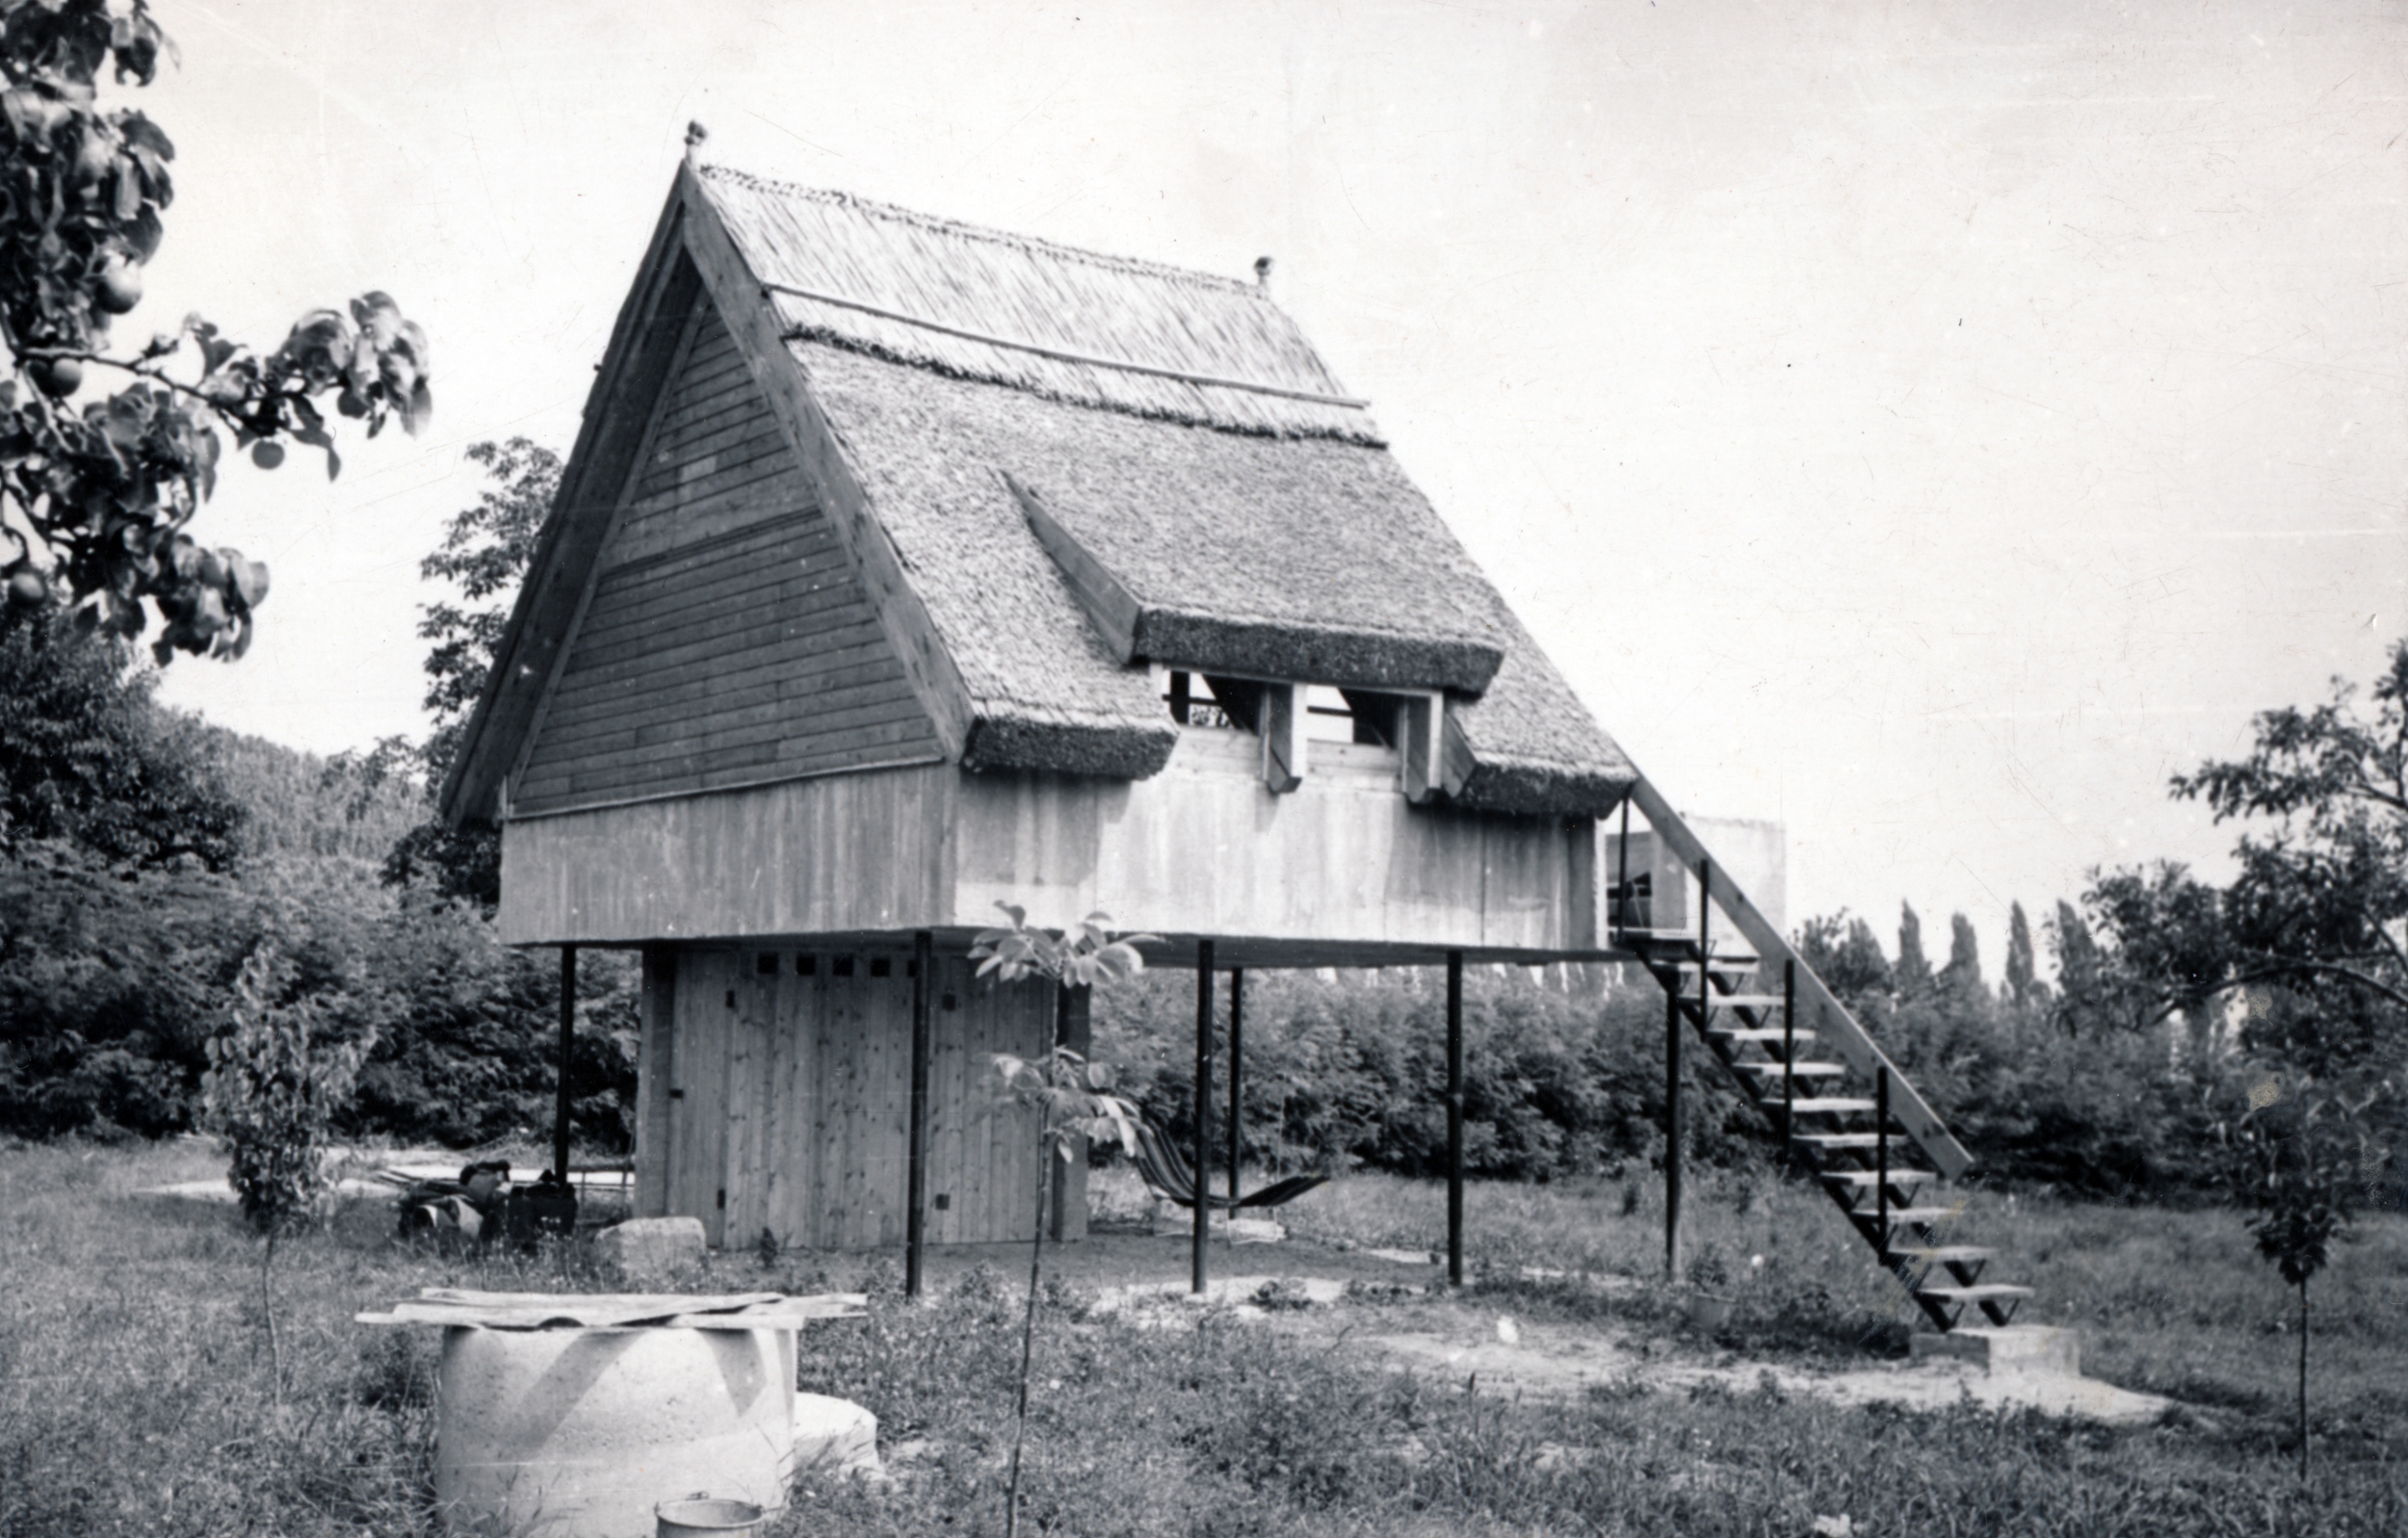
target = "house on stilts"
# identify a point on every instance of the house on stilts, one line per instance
(901, 568)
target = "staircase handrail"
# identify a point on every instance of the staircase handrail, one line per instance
(1832, 1021)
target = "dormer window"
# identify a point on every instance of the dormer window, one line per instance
(1363, 717)
(1192, 701)
(1399, 731)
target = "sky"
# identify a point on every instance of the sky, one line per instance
(1930, 427)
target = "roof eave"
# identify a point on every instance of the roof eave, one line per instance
(534, 640)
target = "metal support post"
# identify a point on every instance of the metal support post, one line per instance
(1455, 1117)
(1201, 1233)
(568, 1047)
(1881, 1160)
(1789, 1064)
(1237, 1067)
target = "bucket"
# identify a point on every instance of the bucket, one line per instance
(1708, 1313)
(701, 1517)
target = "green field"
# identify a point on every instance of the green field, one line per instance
(136, 1394)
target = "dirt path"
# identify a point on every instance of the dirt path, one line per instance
(1499, 1354)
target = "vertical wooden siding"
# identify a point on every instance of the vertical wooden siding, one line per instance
(727, 641)
(795, 1100)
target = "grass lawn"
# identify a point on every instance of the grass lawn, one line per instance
(136, 1394)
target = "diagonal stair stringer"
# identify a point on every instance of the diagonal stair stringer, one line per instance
(1758, 1036)
(1818, 1007)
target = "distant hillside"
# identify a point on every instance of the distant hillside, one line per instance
(302, 804)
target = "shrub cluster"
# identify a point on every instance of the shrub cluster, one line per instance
(1349, 1070)
(113, 981)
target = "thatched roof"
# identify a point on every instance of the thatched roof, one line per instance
(929, 447)
(842, 268)
(1066, 464)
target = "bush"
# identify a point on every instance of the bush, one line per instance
(113, 981)
(1351, 1071)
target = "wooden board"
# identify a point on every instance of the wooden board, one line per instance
(839, 855)
(454, 1308)
(659, 1025)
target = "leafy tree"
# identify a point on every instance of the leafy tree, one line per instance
(1841, 949)
(2306, 1155)
(485, 551)
(95, 498)
(2308, 940)
(1913, 972)
(87, 757)
(274, 1087)
(1963, 973)
(2323, 895)
(2021, 983)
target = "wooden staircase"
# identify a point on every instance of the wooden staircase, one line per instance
(1843, 1112)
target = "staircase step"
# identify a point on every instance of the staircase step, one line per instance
(1740, 1001)
(1735, 1035)
(1919, 1217)
(1797, 1070)
(1865, 1178)
(1980, 1293)
(1833, 1108)
(1830, 1141)
(1943, 1254)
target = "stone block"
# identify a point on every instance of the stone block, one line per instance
(834, 1437)
(2016, 1348)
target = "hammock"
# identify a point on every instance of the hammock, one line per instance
(1168, 1176)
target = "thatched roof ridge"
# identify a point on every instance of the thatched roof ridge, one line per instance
(963, 229)
(1051, 320)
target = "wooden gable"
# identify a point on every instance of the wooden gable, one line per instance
(726, 639)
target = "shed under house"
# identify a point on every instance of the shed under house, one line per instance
(903, 568)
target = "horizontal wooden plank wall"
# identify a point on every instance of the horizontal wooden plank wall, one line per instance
(727, 640)
(1202, 848)
(843, 853)
(794, 1100)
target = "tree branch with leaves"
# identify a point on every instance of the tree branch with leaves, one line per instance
(96, 496)
(1073, 1099)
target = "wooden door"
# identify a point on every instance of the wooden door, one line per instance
(697, 1106)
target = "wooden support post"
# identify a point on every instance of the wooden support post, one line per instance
(1201, 1233)
(1423, 733)
(1237, 1067)
(1282, 724)
(568, 1047)
(1455, 1118)
(1622, 888)
(916, 1153)
(1789, 1064)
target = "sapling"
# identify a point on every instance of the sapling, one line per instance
(272, 1089)
(1073, 1098)
(2305, 1156)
